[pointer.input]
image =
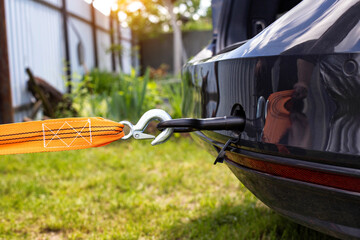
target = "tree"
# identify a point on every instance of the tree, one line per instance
(179, 51)
(149, 17)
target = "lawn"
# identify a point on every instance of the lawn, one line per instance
(131, 190)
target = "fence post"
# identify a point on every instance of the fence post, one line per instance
(6, 109)
(120, 51)
(94, 29)
(112, 40)
(67, 46)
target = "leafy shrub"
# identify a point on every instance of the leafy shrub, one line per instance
(172, 94)
(123, 97)
(115, 96)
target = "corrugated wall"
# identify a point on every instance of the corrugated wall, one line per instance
(127, 51)
(78, 7)
(36, 40)
(104, 55)
(80, 32)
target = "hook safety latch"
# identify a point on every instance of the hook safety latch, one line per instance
(137, 131)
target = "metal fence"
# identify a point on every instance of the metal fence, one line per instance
(52, 37)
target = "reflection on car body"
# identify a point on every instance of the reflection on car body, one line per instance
(298, 82)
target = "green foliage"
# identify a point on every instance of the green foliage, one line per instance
(200, 25)
(132, 190)
(123, 97)
(172, 91)
(115, 96)
(150, 20)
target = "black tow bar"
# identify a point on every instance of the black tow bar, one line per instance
(233, 123)
(195, 124)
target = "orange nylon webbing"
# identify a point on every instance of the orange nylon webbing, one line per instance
(58, 135)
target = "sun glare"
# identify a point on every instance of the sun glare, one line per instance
(104, 6)
(134, 6)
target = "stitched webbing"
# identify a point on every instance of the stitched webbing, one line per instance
(58, 135)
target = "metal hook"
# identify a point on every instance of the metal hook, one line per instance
(137, 131)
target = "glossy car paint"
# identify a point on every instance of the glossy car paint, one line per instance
(298, 82)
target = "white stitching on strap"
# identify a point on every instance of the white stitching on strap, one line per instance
(55, 135)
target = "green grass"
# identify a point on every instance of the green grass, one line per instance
(131, 190)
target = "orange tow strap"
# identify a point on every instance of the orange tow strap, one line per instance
(58, 135)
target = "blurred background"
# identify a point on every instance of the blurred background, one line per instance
(115, 59)
(109, 58)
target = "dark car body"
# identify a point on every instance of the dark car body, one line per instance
(298, 82)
